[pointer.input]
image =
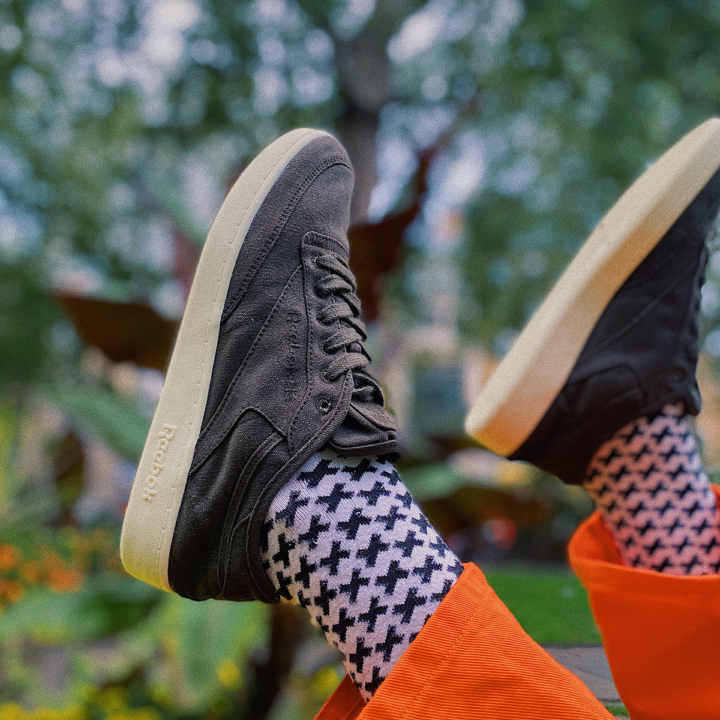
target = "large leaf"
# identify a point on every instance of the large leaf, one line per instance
(124, 331)
(102, 606)
(208, 644)
(113, 419)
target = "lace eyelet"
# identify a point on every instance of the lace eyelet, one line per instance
(678, 375)
(323, 405)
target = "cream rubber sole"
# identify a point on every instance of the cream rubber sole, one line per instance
(529, 378)
(159, 484)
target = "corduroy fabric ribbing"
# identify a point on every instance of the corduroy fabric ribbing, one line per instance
(660, 632)
(472, 661)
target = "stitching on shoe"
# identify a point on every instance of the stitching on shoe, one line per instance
(273, 237)
(312, 235)
(249, 355)
(311, 344)
(282, 158)
(667, 290)
(203, 458)
(241, 487)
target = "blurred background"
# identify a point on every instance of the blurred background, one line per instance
(488, 138)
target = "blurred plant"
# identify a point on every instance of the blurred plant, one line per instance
(120, 130)
(110, 117)
(487, 137)
(60, 567)
(107, 704)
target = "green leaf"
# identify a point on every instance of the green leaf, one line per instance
(550, 604)
(113, 419)
(210, 643)
(434, 480)
(617, 709)
(102, 606)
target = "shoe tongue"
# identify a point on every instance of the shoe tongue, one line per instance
(337, 245)
(368, 428)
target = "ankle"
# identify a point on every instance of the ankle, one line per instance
(345, 540)
(655, 499)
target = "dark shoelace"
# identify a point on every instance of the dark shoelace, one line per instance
(346, 308)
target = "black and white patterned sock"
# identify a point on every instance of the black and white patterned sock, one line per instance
(649, 485)
(345, 540)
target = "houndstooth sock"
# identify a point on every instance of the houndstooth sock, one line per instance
(654, 496)
(345, 540)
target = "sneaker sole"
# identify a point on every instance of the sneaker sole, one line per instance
(532, 374)
(159, 484)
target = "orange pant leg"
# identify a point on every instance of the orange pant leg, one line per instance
(661, 632)
(471, 661)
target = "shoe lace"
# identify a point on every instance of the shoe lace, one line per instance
(340, 284)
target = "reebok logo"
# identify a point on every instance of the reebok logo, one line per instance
(165, 437)
(292, 359)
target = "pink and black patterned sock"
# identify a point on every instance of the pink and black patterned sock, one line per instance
(345, 540)
(649, 485)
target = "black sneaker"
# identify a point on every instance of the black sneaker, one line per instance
(617, 338)
(268, 369)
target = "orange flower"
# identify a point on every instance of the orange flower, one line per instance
(30, 572)
(13, 591)
(52, 561)
(9, 557)
(61, 580)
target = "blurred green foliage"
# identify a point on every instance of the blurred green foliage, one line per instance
(108, 106)
(549, 603)
(121, 126)
(585, 96)
(98, 410)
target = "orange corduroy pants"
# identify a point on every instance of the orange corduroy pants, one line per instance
(661, 632)
(472, 659)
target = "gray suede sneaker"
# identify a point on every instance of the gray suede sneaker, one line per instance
(268, 369)
(617, 337)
